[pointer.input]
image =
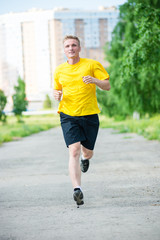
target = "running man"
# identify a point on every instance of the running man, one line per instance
(75, 84)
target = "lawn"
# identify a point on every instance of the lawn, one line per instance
(32, 124)
(148, 127)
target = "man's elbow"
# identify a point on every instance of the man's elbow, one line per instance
(108, 88)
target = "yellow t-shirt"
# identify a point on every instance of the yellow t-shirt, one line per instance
(79, 98)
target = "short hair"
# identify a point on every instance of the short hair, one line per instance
(71, 37)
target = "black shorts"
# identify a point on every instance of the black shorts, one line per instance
(82, 129)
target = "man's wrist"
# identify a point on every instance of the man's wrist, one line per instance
(95, 81)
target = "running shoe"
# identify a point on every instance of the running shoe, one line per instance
(78, 197)
(84, 165)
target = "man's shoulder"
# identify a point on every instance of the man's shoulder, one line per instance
(90, 61)
(61, 66)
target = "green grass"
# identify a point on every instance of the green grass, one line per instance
(149, 127)
(32, 124)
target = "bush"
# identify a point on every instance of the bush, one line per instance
(3, 101)
(19, 99)
(47, 102)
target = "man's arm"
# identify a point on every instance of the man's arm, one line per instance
(57, 94)
(104, 85)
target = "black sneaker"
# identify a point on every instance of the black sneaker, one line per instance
(84, 165)
(78, 197)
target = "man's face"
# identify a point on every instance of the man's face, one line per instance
(71, 48)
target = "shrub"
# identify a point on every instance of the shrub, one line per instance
(19, 99)
(3, 101)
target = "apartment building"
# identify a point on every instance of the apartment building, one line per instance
(31, 46)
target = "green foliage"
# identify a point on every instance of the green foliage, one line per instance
(109, 104)
(19, 99)
(140, 70)
(3, 101)
(47, 103)
(134, 55)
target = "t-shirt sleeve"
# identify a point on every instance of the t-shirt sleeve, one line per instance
(57, 84)
(99, 71)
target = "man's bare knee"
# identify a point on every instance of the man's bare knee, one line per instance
(74, 150)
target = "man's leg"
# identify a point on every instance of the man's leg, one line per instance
(74, 166)
(75, 172)
(86, 155)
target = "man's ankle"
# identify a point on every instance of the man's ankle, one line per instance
(77, 188)
(83, 158)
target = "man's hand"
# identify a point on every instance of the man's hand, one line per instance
(89, 79)
(103, 84)
(57, 94)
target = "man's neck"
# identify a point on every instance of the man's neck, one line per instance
(72, 61)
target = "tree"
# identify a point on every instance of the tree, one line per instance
(140, 65)
(3, 101)
(19, 99)
(134, 54)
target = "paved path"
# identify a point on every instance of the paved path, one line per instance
(121, 189)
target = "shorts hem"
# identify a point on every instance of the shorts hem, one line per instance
(74, 142)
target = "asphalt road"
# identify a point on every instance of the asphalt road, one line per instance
(121, 189)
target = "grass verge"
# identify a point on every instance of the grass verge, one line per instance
(149, 128)
(32, 124)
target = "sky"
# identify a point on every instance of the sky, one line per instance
(7, 6)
